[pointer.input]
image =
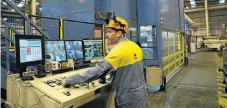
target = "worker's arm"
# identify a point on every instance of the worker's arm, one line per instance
(101, 68)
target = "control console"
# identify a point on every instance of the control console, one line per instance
(57, 82)
(52, 87)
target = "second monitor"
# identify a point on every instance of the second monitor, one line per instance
(74, 49)
(56, 49)
(93, 49)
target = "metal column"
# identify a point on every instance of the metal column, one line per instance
(207, 19)
(61, 29)
(33, 12)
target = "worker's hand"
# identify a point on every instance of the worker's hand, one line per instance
(64, 84)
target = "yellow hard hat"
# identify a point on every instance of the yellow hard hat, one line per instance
(121, 24)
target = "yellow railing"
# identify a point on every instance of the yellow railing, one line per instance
(175, 60)
(171, 72)
(172, 63)
(171, 56)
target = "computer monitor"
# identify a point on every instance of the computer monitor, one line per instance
(29, 51)
(93, 49)
(74, 49)
(56, 49)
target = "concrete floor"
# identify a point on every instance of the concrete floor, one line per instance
(195, 86)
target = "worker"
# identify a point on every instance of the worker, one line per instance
(124, 62)
(221, 49)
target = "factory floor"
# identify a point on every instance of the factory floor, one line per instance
(195, 86)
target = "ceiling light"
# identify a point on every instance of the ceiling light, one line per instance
(20, 4)
(221, 1)
(192, 2)
(4, 3)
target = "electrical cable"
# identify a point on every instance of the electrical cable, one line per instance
(39, 101)
(18, 94)
(20, 82)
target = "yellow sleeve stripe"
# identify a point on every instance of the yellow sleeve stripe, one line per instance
(123, 54)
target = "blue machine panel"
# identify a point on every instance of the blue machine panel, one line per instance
(78, 10)
(173, 13)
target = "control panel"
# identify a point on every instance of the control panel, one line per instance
(56, 83)
(52, 87)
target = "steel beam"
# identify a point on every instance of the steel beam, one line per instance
(9, 26)
(203, 9)
(8, 53)
(189, 19)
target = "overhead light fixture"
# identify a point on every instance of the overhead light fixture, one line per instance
(4, 3)
(221, 1)
(20, 4)
(192, 2)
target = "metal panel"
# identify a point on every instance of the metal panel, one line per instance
(74, 30)
(78, 10)
(170, 11)
(51, 27)
(147, 12)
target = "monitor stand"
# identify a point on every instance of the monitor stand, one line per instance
(40, 75)
(27, 78)
(22, 69)
(41, 72)
(81, 64)
(24, 78)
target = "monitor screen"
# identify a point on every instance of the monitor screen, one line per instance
(56, 49)
(30, 50)
(74, 49)
(93, 49)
